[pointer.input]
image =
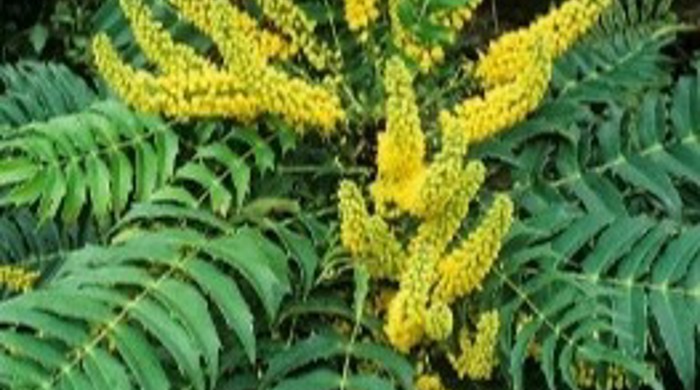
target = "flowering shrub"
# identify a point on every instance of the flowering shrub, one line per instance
(291, 194)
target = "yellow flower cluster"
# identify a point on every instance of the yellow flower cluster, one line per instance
(16, 278)
(360, 14)
(157, 44)
(464, 269)
(477, 357)
(189, 86)
(294, 23)
(401, 148)
(439, 194)
(557, 32)
(368, 237)
(429, 382)
(517, 68)
(480, 117)
(427, 56)
(223, 21)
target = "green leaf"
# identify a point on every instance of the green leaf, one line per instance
(133, 347)
(38, 36)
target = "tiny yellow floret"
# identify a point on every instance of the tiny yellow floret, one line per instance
(360, 14)
(17, 278)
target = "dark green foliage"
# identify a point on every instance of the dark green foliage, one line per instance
(204, 255)
(103, 155)
(605, 258)
(34, 91)
(109, 309)
(199, 246)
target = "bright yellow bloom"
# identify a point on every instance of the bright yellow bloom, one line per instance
(17, 278)
(405, 319)
(557, 31)
(429, 382)
(408, 311)
(246, 88)
(503, 106)
(465, 268)
(368, 238)
(157, 44)
(360, 13)
(294, 23)
(516, 71)
(437, 231)
(195, 94)
(417, 310)
(477, 357)
(445, 176)
(439, 195)
(221, 20)
(401, 148)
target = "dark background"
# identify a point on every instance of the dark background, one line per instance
(60, 29)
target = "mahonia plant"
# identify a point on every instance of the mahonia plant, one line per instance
(433, 267)
(431, 278)
(515, 73)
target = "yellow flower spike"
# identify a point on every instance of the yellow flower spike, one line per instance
(477, 356)
(443, 179)
(407, 313)
(219, 19)
(463, 270)
(248, 87)
(435, 233)
(294, 23)
(194, 94)
(360, 14)
(137, 87)
(368, 238)
(557, 31)
(517, 68)
(401, 148)
(157, 44)
(17, 278)
(404, 326)
(503, 106)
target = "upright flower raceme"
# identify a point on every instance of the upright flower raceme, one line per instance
(401, 166)
(439, 196)
(245, 87)
(477, 357)
(516, 70)
(557, 32)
